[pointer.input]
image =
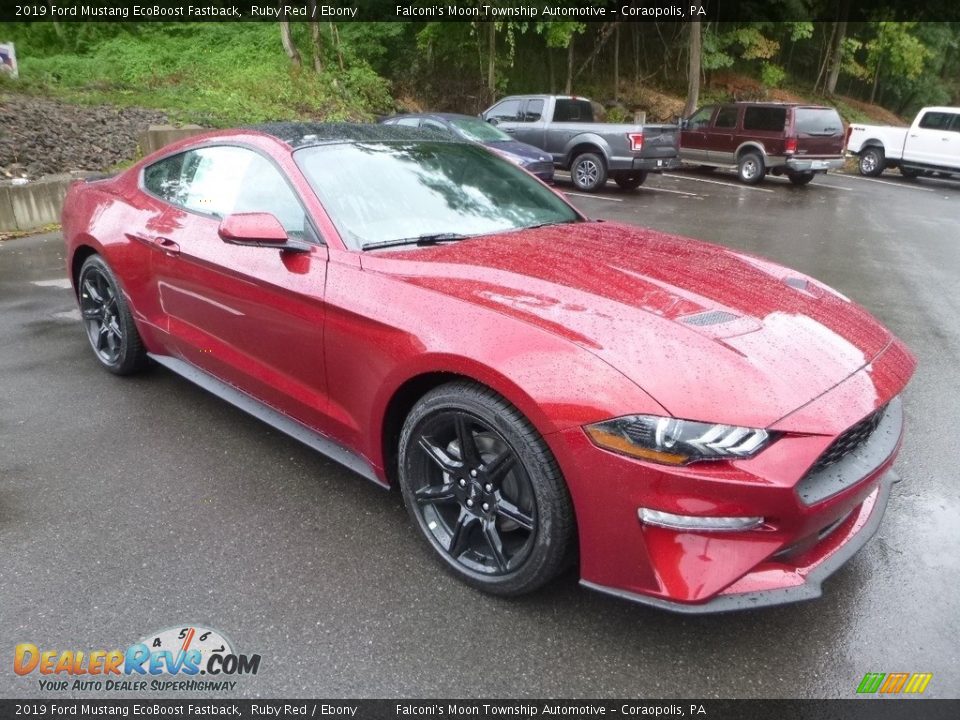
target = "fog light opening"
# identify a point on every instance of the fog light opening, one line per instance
(658, 518)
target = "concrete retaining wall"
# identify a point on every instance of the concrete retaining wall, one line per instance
(38, 203)
(158, 136)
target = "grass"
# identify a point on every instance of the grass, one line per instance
(211, 74)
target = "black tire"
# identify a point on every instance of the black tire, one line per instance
(800, 178)
(509, 482)
(107, 320)
(750, 168)
(872, 162)
(588, 172)
(909, 173)
(630, 181)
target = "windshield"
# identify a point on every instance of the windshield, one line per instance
(818, 121)
(479, 131)
(379, 192)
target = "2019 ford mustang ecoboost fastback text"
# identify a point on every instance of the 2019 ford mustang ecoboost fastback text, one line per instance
(698, 428)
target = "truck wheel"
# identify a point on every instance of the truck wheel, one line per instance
(909, 173)
(800, 178)
(589, 172)
(630, 181)
(750, 169)
(872, 161)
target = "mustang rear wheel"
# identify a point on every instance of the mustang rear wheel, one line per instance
(484, 490)
(106, 317)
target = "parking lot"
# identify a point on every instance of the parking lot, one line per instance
(132, 505)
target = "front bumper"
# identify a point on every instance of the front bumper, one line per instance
(813, 520)
(778, 584)
(795, 164)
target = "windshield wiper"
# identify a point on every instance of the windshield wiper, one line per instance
(421, 240)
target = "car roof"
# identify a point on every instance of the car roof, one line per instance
(774, 103)
(436, 115)
(302, 134)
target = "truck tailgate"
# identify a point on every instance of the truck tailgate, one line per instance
(660, 141)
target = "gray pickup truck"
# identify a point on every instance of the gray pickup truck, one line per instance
(591, 151)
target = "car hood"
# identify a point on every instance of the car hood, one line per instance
(711, 334)
(519, 149)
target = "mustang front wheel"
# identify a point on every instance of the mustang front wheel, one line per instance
(484, 490)
(110, 328)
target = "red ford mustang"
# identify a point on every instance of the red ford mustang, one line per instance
(702, 429)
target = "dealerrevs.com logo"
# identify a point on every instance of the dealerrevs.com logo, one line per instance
(169, 660)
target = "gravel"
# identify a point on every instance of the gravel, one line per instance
(39, 136)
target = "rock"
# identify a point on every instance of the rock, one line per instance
(39, 136)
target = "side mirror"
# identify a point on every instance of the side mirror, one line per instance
(253, 229)
(493, 121)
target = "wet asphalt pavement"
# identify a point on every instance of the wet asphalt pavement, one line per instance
(132, 505)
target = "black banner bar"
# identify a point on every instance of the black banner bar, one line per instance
(856, 709)
(67, 11)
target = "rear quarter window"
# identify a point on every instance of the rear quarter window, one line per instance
(770, 119)
(818, 121)
(573, 111)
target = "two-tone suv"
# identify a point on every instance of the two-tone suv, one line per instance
(798, 141)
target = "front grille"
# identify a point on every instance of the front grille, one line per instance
(849, 440)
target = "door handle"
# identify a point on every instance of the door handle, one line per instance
(167, 246)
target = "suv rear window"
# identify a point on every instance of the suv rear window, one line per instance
(573, 111)
(765, 118)
(818, 121)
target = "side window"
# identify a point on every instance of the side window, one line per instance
(572, 111)
(955, 125)
(771, 119)
(222, 180)
(726, 118)
(508, 110)
(701, 118)
(433, 125)
(534, 111)
(163, 178)
(937, 121)
(408, 122)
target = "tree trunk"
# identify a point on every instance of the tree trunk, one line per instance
(288, 47)
(837, 58)
(826, 57)
(316, 39)
(616, 64)
(492, 60)
(601, 41)
(550, 67)
(693, 69)
(568, 89)
(635, 33)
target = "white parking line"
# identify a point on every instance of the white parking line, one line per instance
(594, 197)
(717, 182)
(63, 283)
(675, 192)
(885, 182)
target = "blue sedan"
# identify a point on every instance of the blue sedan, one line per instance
(471, 128)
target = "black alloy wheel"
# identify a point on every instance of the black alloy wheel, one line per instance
(484, 490)
(110, 328)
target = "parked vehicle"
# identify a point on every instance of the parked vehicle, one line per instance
(532, 159)
(930, 145)
(564, 126)
(799, 141)
(703, 429)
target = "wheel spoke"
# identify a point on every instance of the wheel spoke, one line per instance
(468, 445)
(94, 313)
(435, 494)
(92, 292)
(439, 456)
(492, 536)
(502, 464)
(102, 334)
(460, 536)
(510, 511)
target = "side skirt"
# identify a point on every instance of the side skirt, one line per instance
(273, 418)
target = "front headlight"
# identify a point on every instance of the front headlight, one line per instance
(677, 442)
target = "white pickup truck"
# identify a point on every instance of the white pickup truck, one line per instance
(930, 145)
